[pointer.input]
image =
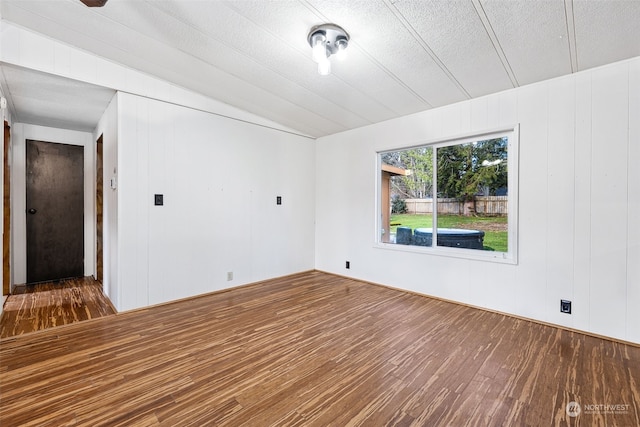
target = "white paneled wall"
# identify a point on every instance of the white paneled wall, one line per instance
(192, 155)
(220, 179)
(633, 206)
(579, 191)
(609, 198)
(5, 115)
(108, 128)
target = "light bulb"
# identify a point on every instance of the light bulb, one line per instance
(342, 49)
(319, 49)
(324, 67)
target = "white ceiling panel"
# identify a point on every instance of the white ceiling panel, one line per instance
(606, 31)
(346, 86)
(405, 56)
(533, 36)
(265, 56)
(453, 31)
(43, 99)
(390, 60)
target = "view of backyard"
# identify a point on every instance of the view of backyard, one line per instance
(465, 181)
(495, 228)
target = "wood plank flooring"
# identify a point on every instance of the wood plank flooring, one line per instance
(46, 305)
(315, 350)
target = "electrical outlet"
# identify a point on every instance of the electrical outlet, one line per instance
(565, 306)
(158, 200)
(347, 265)
(229, 276)
(278, 200)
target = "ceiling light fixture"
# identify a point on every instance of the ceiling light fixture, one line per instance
(326, 40)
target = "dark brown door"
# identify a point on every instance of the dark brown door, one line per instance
(55, 211)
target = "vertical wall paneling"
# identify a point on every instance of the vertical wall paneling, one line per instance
(560, 197)
(508, 108)
(160, 279)
(633, 206)
(533, 116)
(130, 204)
(144, 200)
(219, 178)
(479, 114)
(582, 203)
(578, 203)
(108, 128)
(610, 133)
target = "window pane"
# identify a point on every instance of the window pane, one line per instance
(406, 194)
(472, 183)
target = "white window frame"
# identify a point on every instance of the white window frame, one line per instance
(509, 257)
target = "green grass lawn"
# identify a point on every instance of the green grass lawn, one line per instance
(495, 234)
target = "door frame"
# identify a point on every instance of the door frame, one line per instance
(6, 207)
(20, 133)
(99, 209)
(55, 234)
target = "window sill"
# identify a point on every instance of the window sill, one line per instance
(470, 254)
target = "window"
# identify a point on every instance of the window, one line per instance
(454, 197)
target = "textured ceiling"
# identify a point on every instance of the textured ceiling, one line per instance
(405, 55)
(47, 100)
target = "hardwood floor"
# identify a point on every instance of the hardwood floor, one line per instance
(46, 305)
(315, 350)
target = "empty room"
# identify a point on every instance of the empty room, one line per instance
(320, 213)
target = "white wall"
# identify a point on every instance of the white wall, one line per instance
(108, 128)
(579, 203)
(220, 179)
(579, 148)
(20, 132)
(277, 242)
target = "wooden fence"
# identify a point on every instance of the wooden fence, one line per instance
(484, 205)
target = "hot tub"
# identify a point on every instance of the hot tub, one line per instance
(451, 237)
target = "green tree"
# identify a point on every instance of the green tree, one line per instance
(419, 184)
(464, 170)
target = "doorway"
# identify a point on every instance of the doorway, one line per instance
(55, 211)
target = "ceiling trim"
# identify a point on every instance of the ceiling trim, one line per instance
(571, 34)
